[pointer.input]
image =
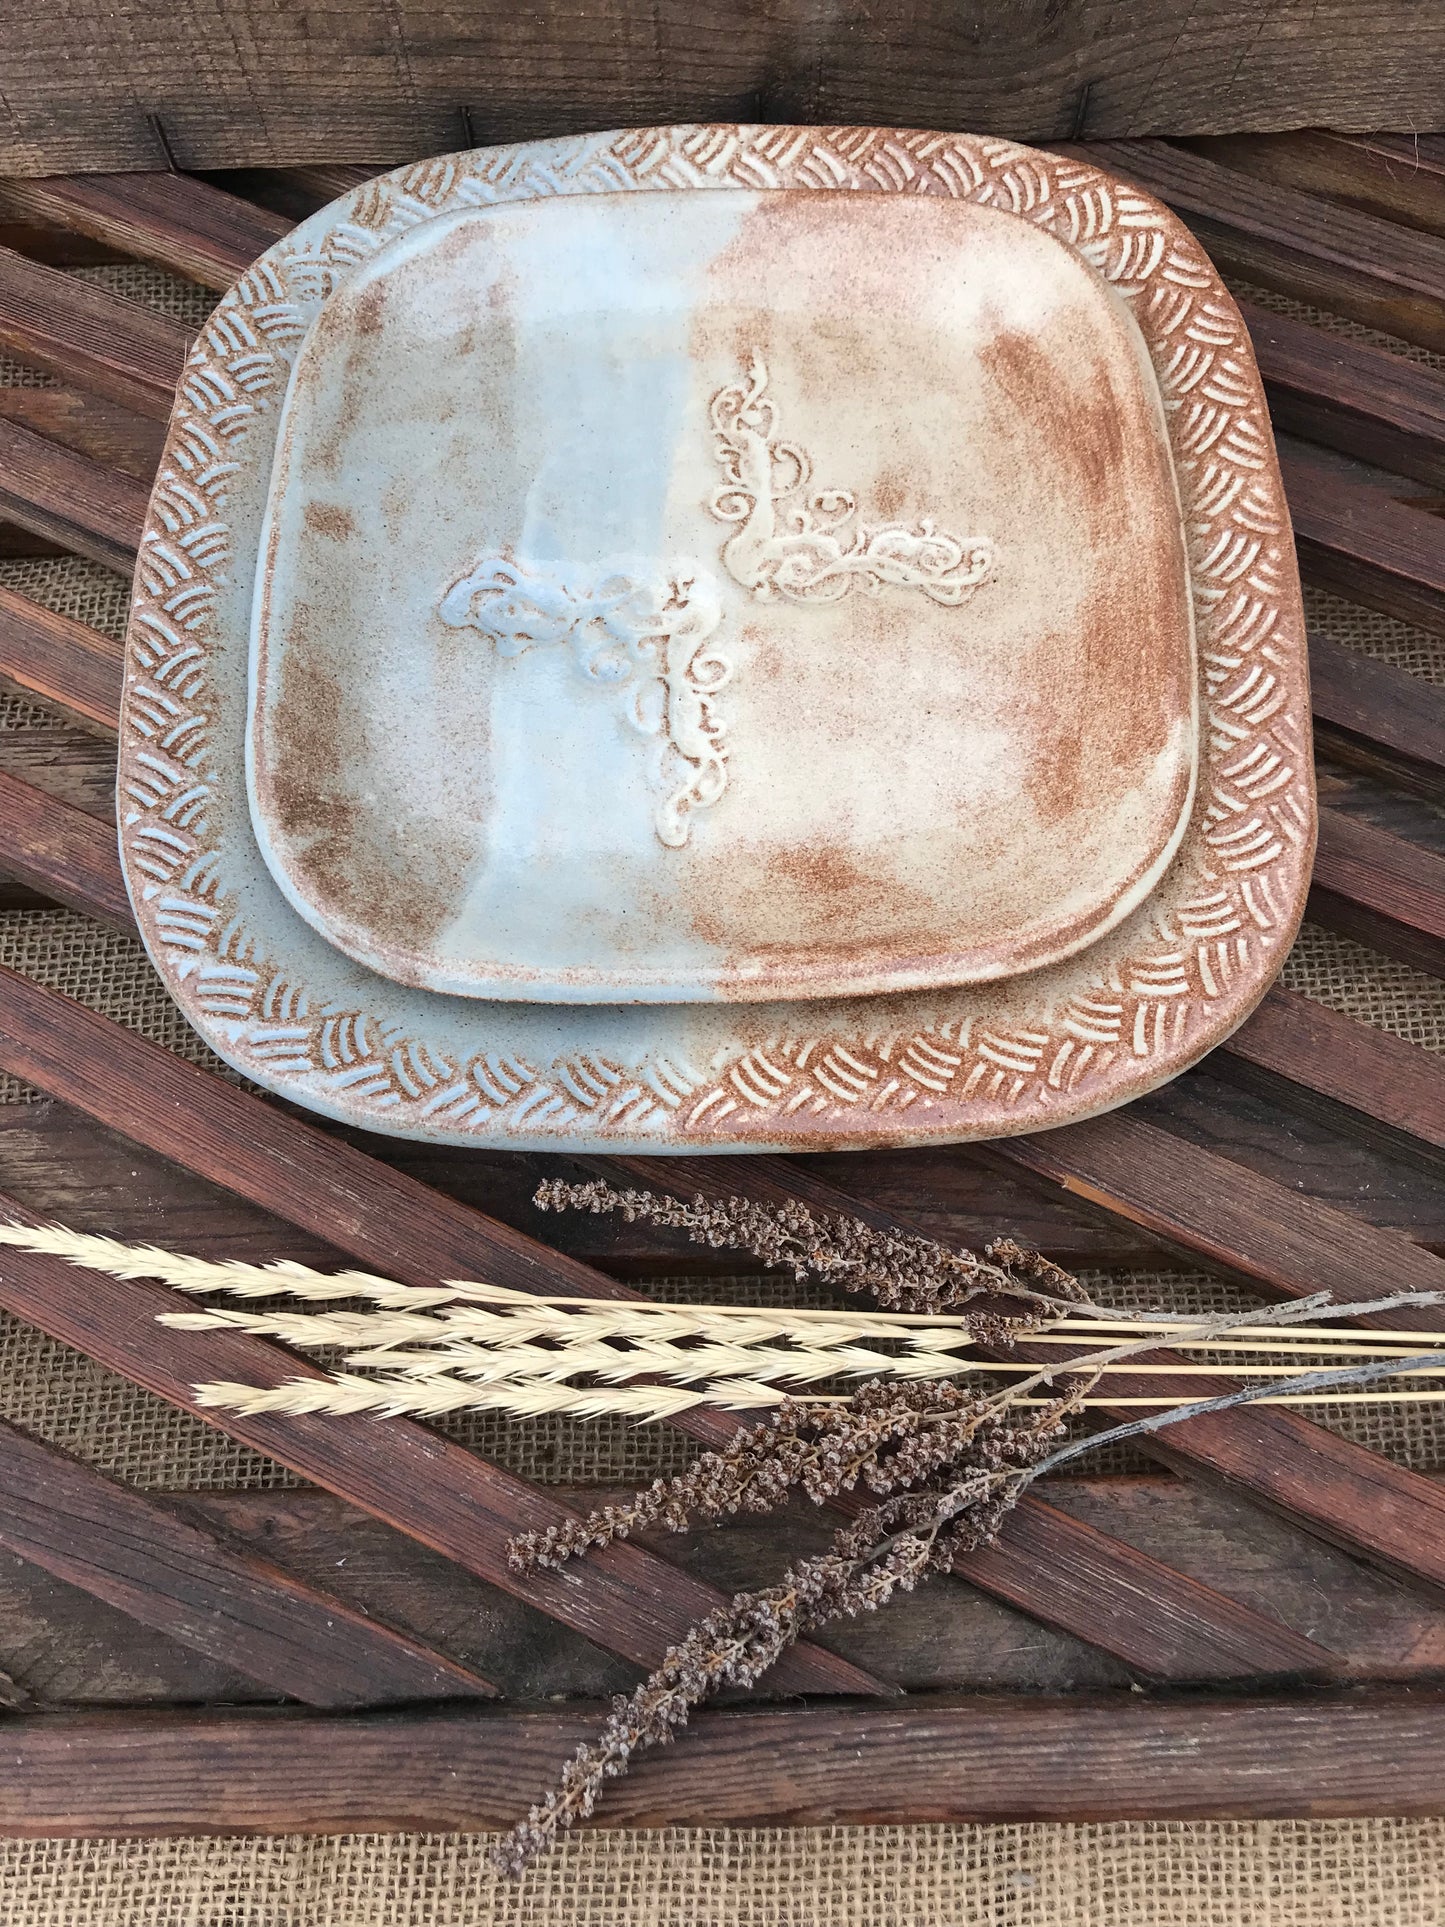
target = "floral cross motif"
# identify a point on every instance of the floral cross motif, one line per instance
(646, 638)
(819, 549)
(647, 633)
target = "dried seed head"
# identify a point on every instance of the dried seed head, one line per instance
(887, 1549)
(886, 1436)
(902, 1271)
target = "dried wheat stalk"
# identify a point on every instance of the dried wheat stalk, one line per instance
(431, 1351)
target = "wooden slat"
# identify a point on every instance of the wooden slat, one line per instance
(633, 1603)
(172, 1574)
(992, 1758)
(1161, 1622)
(1230, 1217)
(61, 851)
(63, 1161)
(1226, 1214)
(70, 1649)
(172, 219)
(63, 661)
(96, 512)
(1348, 395)
(1374, 271)
(85, 335)
(254, 85)
(329, 183)
(940, 1638)
(1399, 176)
(1350, 1063)
(87, 424)
(1355, 540)
(1374, 713)
(1381, 890)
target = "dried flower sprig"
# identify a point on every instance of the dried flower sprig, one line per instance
(885, 1437)
(912, 1533)
(887, 1549)
(889, 1434)
(900, 1270)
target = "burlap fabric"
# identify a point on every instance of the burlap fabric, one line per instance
(1351, 1873)
(1219, 1874)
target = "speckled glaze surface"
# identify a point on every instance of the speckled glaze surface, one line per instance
(579, 673)
(1214, 630)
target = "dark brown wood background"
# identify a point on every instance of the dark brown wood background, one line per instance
(86, 84)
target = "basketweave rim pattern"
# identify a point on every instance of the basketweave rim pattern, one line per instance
(1061, 1044)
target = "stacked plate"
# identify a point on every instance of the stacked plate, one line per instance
(723, 638)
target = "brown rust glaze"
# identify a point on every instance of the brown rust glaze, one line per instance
(923, 781)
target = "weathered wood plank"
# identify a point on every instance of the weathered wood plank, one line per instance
(1292, 1245)
(1399, 176)
(1226, 1214)
(984, 1758)
(88, 425)
(172, 219)
(1372, 713)
(1374, 271)
(65, 1164)
(87, 87)
(1395, 1083)
(322, 183)
(67, 1648)
(1348, 395)
(62, 851)
(85, 335)
(63, 498)
(170, 1573)
(1381, 890)
(72, 766)
(1358, 542)
(62, 661)
(629, 1601)
(1377, 1627)
(1163, 1623)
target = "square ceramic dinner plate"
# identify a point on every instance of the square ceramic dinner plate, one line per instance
(720, 638)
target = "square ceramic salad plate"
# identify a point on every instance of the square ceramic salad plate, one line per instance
(715, 639)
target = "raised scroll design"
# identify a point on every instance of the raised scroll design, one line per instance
(646, 637)
(808, 544)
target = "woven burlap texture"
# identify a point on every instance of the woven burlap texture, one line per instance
(1350, 1873)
